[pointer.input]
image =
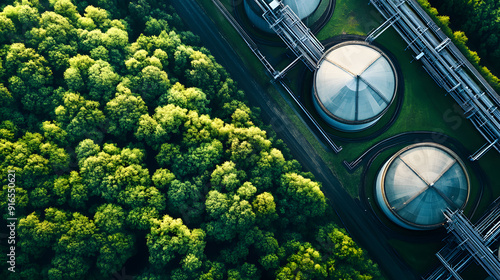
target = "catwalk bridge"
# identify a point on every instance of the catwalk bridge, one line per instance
(468, 243)
(288, 26)
(446, 65)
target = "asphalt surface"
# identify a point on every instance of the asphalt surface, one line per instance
(361, 224)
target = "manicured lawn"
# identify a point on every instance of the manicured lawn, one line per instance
(351, 17)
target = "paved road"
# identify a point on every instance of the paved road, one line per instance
(362, 225)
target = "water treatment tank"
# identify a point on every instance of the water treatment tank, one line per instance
(354, 85)
(303, 9)
(419, 182)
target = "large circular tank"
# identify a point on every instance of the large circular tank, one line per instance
(354, 85)
(419, 182)
(303, 9)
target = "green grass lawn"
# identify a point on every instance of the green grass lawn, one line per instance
(413, 252)
(351, 17)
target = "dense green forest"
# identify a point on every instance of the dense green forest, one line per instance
(480, 20)
(124, 145)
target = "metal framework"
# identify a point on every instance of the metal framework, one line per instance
(377, 32)
(277, 75)
(293, 32)
(469, 242)
(446, 65)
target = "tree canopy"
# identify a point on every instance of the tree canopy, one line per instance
(480, 20)
(133, 148)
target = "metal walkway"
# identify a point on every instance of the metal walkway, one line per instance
(293, 32)
(469, 242)
(447, 66)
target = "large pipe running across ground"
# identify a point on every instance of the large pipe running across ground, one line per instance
(448, 67)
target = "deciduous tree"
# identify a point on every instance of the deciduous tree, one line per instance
(170, 239)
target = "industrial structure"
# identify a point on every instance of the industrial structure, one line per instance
(468, 243)
(423, 186)
(355, 82)
(446, 65)
(302, 8)
(418, 183)
(294, 33)
(354, 85)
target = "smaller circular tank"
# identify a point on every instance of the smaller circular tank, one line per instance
(418, 183)
(354, 85)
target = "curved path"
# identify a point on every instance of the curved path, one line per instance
(363, 226)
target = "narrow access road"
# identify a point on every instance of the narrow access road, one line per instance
(362, 225)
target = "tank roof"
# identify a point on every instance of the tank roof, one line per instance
(355, 82)
(421, 181)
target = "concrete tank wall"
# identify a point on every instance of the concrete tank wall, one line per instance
(340, 125)
(383, 204)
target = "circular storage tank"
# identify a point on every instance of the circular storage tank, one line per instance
(419, 182)
(354, 86)
(302, 8)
